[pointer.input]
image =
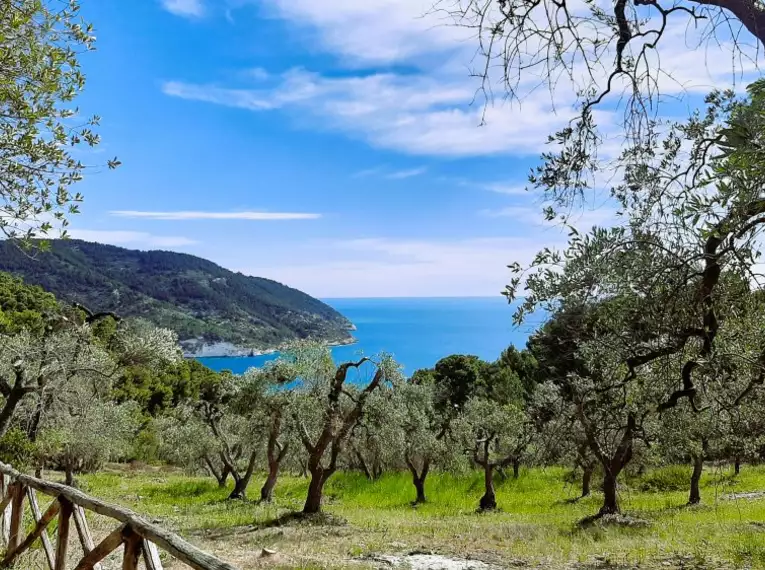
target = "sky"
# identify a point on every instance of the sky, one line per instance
(336, 146)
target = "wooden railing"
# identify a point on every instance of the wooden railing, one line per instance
(138, 537)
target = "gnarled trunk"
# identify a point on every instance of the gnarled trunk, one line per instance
(489, 500)
(241, 483)
(586, 479)
(418, 479)
(698, 466)
(267, 491)
(363, 465)
(221, 476)
(315, 492)
(11, 403)
(275, 452)
(610, 498)
(516, 468)
(737, 465)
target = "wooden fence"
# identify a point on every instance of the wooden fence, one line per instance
(138, 537)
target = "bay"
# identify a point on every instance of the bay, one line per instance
(417, 331)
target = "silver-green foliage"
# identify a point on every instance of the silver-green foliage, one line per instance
(40, 130)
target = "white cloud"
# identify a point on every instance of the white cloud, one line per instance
(403, 268)
(432, 109)
(415, 114)
(582, 219)
(259, 216)
(404, 174)
(131, 238)
(375, 31)
(187, 8)
(504, 188)
(241, 98)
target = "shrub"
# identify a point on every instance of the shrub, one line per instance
(669, 478)
(16, 449)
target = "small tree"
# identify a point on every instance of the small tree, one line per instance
(685, 433)
(266, 404)
(493, 432)
(328, 406)
(80, 436)
(185, 440)
(560, 436)
(376, 440)
(422, 431)
(219, 407)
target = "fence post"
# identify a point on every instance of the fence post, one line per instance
(132, 551)
(17, 513)
(5, 515)
(62, 542)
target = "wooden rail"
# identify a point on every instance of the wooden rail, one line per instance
(138, 537)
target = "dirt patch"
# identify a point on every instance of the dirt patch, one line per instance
(751, 496)
(429, 562)
(613, 520)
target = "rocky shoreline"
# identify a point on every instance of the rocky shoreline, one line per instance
(192, 349)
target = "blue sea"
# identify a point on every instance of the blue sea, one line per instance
(417, 331)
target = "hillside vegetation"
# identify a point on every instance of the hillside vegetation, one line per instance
(201, 301)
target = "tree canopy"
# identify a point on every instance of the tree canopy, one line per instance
(40, 128)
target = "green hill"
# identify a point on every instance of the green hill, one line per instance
(208, 306)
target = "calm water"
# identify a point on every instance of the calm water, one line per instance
(418, 332)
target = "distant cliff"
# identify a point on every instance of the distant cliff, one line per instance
(215, 312)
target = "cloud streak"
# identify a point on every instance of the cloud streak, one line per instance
(192, 215)
(185, 8)
(404, 174)
(415, 114)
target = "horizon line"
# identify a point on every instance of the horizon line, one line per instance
(321, 297)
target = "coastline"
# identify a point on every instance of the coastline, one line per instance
(239, 353)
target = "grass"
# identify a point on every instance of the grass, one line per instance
(536, 525)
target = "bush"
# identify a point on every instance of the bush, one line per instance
(669, 478)
(16, 449)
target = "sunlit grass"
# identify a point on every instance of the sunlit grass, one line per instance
(536, 524)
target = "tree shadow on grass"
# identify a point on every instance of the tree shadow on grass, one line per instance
(297, 518)
(605, 520)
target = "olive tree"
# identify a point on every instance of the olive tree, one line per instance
(667, 296)
(684, 433)
(608, 62)
(330, 400)
(422, 433)
(40, 366)
(375, 441)
(39, 127)
(266, 400)
(493, 433)
(220, 408)
(186, 441)
(561, 439)
(87, 433)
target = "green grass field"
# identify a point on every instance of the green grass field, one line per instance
(536, 526)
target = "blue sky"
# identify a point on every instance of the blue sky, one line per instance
(332, 145)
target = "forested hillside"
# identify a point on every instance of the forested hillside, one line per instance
(204, 303)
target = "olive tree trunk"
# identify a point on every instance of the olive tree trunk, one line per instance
(243, 481)
(698, 467)
(587, 479)
(489, 500)
(418, 479)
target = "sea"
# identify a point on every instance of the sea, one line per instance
(418, 332)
